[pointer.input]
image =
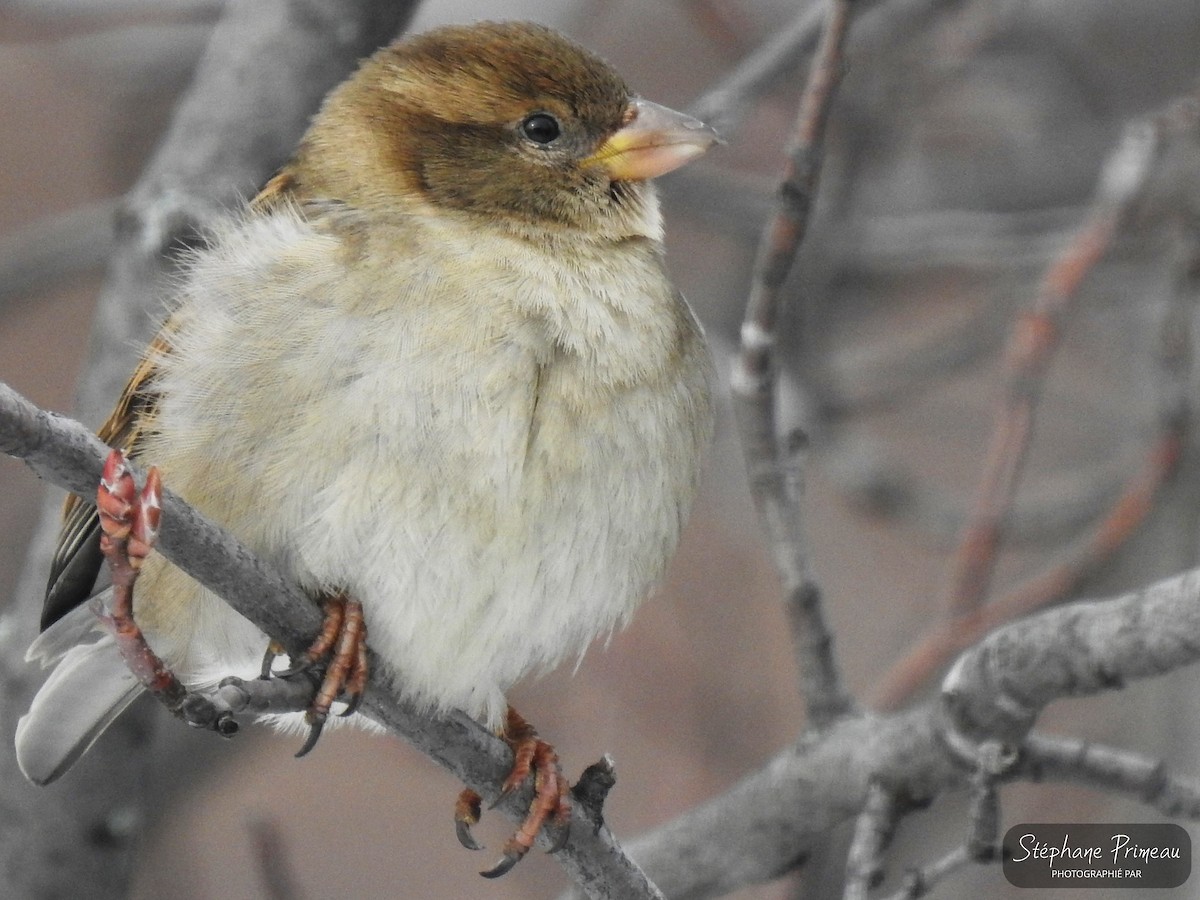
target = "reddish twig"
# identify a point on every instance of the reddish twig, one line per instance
(720, 24)
(774, 473)
(1124, 176)
(953, 636)
(1036, 337)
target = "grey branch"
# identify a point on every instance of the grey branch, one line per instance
(751, 833)
(872, 834)
(919, 882)
(1045, 758)
(774, 470)
(997, 689)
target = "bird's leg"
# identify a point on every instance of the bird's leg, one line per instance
(549, 806)
(129, 522)
(342, 647)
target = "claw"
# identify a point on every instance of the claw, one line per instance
(351, 705)
(466, 814)
(315, 727)
(549, 807)
(504, 865)
(341, 648)
(463, 831)
(273, 652)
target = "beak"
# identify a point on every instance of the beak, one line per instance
(655, 140)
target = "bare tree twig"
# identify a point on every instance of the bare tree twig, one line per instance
(1126, 513)
(1064, 502)
(919, 882)
(996, 690)
(751, 833)
(1111, 770)
(723, 104)
(872, 834)
(1037, 335)
(774, 472)
(726, 102)
(983, 820)
(940, 644)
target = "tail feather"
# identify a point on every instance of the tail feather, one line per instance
(76, 627)
(88, 689)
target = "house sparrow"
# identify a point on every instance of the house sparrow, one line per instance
(435, 373)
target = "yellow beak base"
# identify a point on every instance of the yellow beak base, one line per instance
(656, 140)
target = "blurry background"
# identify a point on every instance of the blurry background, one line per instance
(963, 149)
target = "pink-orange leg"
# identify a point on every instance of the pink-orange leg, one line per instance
(129, 522)
(549, 806)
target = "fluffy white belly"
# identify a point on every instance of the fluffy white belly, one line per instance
(492, 503)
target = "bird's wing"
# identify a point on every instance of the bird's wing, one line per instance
(77, 556)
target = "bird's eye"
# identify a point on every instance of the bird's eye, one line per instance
(541, 128)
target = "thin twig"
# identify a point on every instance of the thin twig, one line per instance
(719, 23)
(983, 817)
(724, 104)
(1125, 514)
(1065, 503)
(774, 471)
(919, 882)
(928, 655)
(731, 98)
(1037, 335)
(873, 831)
(1110, 770)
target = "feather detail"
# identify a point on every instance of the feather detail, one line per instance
(56, 641)
(77, 558)
(87, 690)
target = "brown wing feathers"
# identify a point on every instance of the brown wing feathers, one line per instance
(77, 557)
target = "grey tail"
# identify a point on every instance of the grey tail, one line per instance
(88, 689)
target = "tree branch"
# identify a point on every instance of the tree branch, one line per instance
(996, 690)
(773, 470)
(1111, 770)
(873, 832)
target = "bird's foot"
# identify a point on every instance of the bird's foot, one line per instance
(549, 806)
(129, 521)
(341, 648)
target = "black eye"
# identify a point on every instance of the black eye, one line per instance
(541, 128)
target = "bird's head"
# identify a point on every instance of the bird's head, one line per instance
(509, 121)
